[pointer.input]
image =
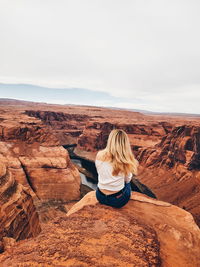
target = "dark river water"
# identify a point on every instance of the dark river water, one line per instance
(84, 179)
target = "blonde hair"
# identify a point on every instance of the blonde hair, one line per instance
(118, 152)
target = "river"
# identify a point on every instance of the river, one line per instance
(84, 179)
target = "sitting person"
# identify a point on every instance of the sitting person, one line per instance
(115, 165)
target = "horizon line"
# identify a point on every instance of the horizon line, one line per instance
(146, 112)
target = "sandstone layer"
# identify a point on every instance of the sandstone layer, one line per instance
(46, 171)
(171, 168)
(18, 216)
(15, 126)
(95, 135)
(145, 232)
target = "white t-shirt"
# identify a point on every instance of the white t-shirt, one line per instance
(105, 178)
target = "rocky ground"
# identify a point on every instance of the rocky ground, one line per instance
(145, 232)
(38, 171)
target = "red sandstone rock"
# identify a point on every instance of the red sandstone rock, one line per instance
(176, 230)
(145, 232)
(47, 171)
(171, 168)
(18, 217)
(28, 133)
(95, 135)
(8, 242)
(67, 127)
(8, 157)
(51, 173)
(15, 126)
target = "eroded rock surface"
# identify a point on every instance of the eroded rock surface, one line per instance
(95, 135)
(145, 232)
(16, 126)
(177, 233)
(18, 217)
(67, 127)
(47, 171)
(171, 168)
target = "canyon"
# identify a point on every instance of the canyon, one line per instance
(36, 163)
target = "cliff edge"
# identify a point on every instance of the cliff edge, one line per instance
(145, 232)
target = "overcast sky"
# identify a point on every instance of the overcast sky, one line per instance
(147, 52)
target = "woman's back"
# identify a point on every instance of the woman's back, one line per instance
(106, 180)
(115, 165)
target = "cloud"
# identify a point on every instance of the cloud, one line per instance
(147, 50)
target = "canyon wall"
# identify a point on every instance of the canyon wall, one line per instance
(31, 150)
(171, 168)
(18, 216)
(67, 127)
(16, 126)
(95, 135)
(46, 171)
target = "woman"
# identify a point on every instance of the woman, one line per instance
(115, 166)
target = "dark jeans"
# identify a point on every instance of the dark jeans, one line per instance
(116, 200)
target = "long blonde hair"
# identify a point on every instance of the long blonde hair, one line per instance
(118, 152)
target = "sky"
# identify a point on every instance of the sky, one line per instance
(140, 54)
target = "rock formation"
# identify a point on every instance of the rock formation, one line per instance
(95, 135)
(67, 127)
(18, 217)
(171, 168)
(16, 126)
(182, 145)
(47, 171)
(145, 232)
(31, 150)
(51, 173)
